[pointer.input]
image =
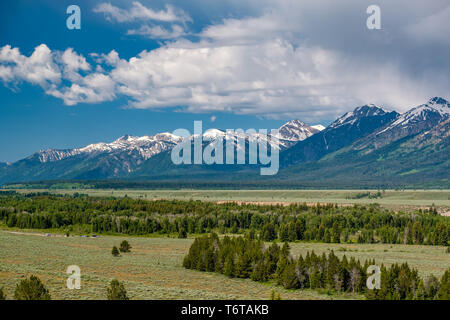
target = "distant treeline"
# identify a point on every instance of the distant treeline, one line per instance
(323, 223)
(208, 184)
(244, 257)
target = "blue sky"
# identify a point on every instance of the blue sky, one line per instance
(152, 66)
(31, 120)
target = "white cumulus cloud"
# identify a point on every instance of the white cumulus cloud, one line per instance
(296, 60)
(39, 68)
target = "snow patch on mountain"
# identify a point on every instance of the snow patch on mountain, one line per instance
(296, 130)
(436, 109)
(147, 146)
(288, 134)
(318, 127)
(351, 117)
(212, 134)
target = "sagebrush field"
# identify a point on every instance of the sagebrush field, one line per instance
(153, 269)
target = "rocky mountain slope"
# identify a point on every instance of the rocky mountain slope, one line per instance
(343, 131)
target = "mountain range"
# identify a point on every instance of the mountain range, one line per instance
(369, 146)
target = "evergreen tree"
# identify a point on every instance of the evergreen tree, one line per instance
(336, 233)
(228, 268)
(209, 258)
(125, 246)
(247, 258)
(327, 236)
(281, 265)
(408, 235)
(284, 233)
(115, 251)
(285, 250)
(187, 262)
(427, 289)
(268, 232)
(444, 286)
(292, 232)
(321, 232)
(2, 294)
(314, 279)
(31, 289)
(441, 234)
(259, 272)
(272, 256)
(302, 273)
(289, 278)
(346, 236)
(300, 228)
(116, 291)
(417, 232)
(182, 234)
(407, 282)
(242, 268)
(421, 293)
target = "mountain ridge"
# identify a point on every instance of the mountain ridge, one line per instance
(343, 131)
(415, 120)
(369, 145)
(122, 156)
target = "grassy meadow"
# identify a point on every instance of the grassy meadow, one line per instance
(153, 269)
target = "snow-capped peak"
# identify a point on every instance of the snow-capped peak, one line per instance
(370, 110)
(296, 130)
(426, 115)
(351, 117)
(437, 104)
(167, 136)
(294, 123)
(126, 138)
(213, 134)
(146, 146)
(434, 111)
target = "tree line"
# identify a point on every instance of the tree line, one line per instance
(323, 223)
(243, 257)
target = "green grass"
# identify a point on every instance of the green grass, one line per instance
(153, 269)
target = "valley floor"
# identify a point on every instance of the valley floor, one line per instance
(153, 269)
(406, 200)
